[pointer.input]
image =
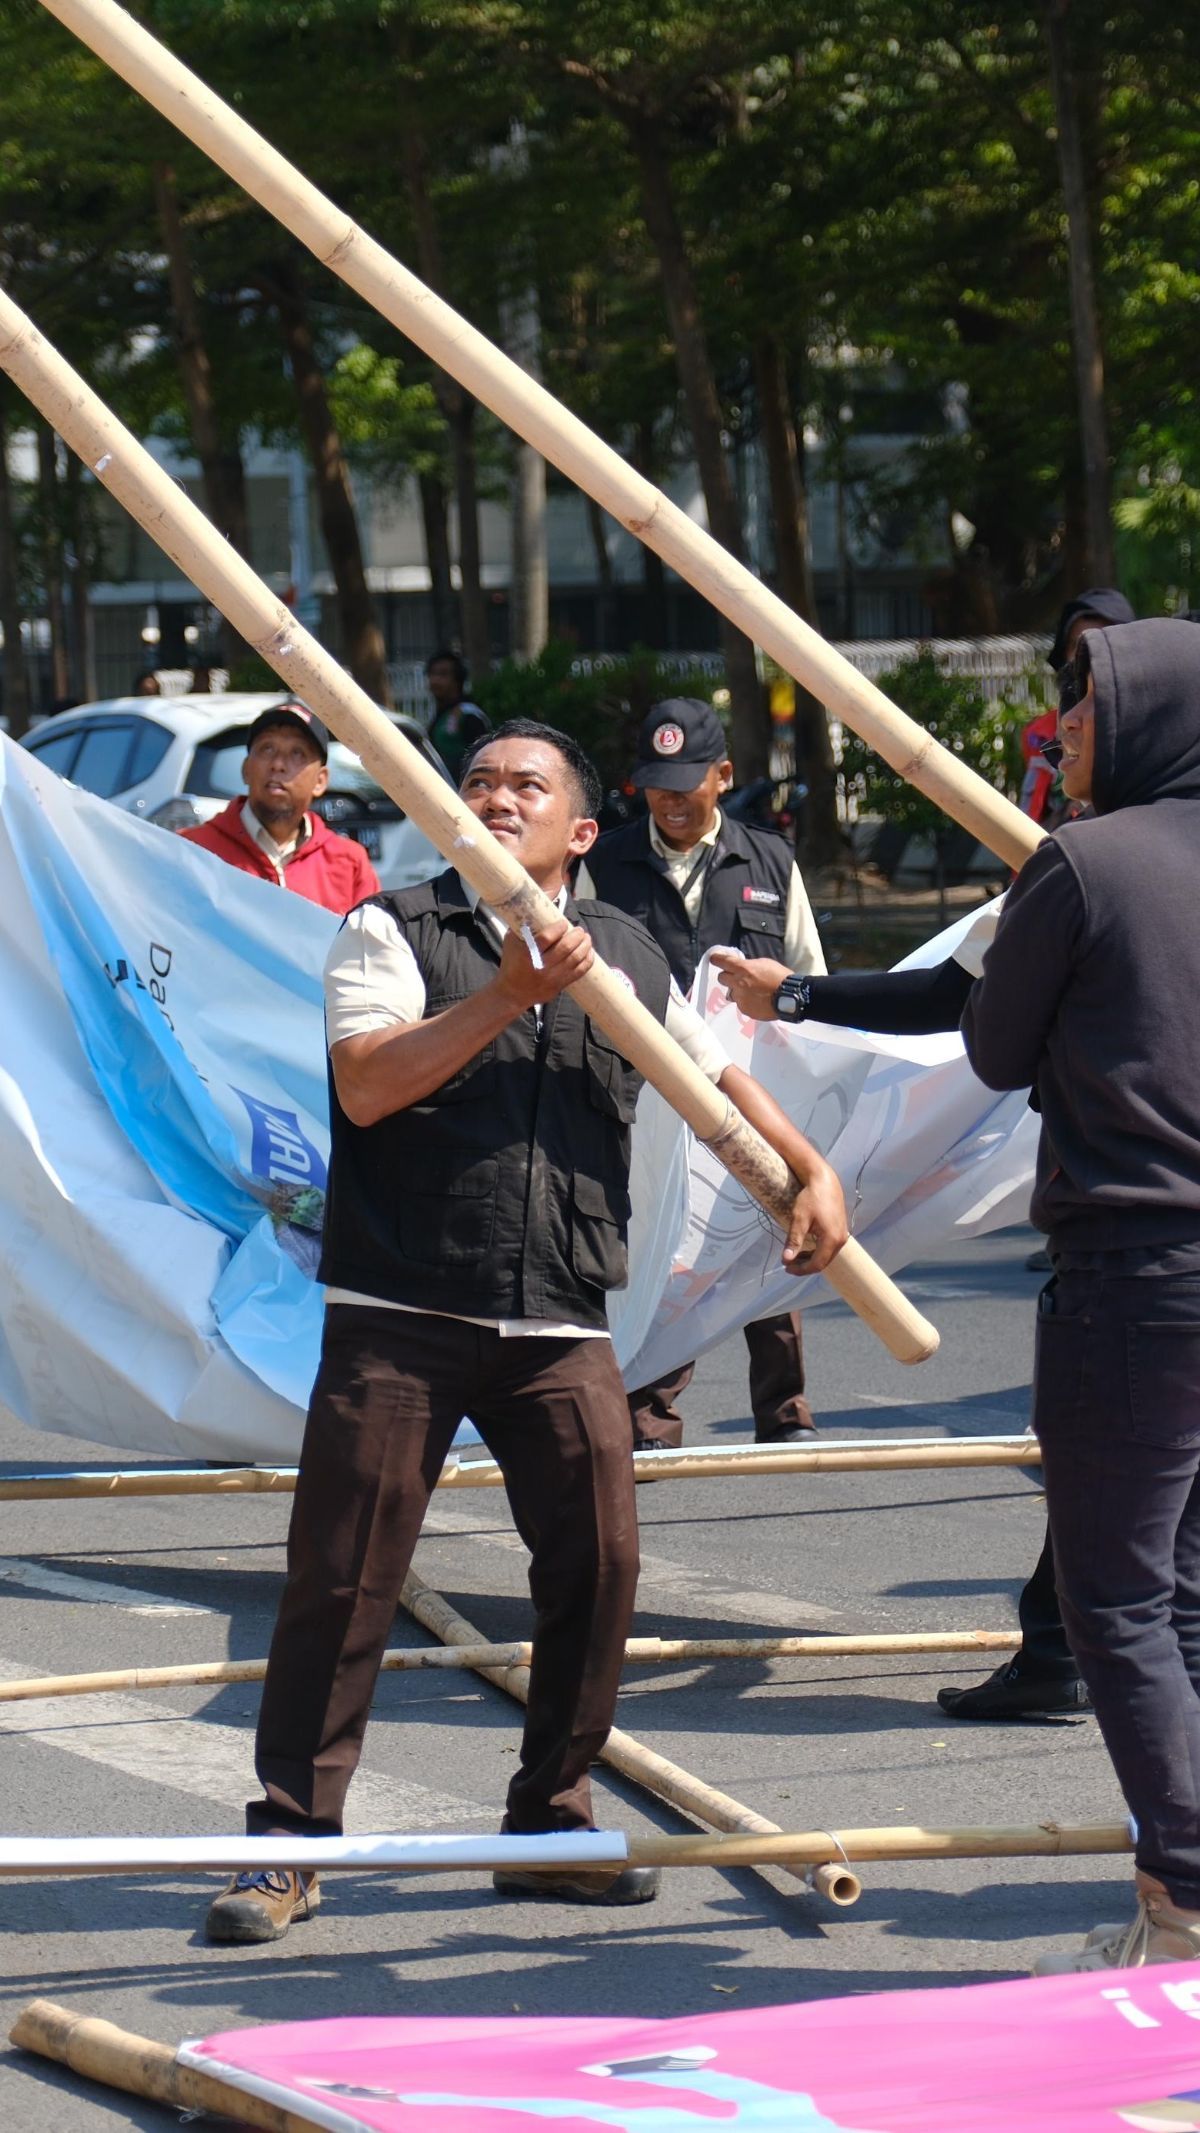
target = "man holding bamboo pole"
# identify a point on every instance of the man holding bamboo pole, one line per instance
(475, 1220)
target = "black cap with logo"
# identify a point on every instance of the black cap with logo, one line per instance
(677, 741)
(291, 714)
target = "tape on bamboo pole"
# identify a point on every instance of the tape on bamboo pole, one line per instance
(534, 414)
(741, 1462)
(182, 532)
(441, 1658)
(141, 2067)
(668, 1781)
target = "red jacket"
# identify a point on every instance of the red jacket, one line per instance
(327, 869)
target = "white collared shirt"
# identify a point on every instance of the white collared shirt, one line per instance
(278, 854)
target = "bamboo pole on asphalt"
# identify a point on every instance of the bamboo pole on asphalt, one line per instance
(831, 1878)
(141, 2067)
(441, 1658)
(743, 1465)
(62, 1858)
(534, 414)
(268, 626)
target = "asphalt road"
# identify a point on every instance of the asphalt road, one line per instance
(808, 1743)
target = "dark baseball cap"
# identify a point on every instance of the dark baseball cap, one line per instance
(677, 741)
(291, 714)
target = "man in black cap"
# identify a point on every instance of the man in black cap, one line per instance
(696, 880)
(272, 832)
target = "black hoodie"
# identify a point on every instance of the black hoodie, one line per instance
(1091, 989)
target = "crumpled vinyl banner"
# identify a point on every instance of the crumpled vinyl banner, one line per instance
(164, 1141)
(1042, 2055)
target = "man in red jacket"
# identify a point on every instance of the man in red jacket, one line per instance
(271, 832)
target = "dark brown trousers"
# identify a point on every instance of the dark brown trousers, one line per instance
(389, 1395)
(777, 1402)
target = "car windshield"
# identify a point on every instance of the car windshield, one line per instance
(216, 770)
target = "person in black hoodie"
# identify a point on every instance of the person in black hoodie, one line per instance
(1091, 993)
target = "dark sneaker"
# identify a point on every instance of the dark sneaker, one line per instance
(631, 1884)
(1011, 1694)
(653, 1444)
(262, 1906)
(795, 1433)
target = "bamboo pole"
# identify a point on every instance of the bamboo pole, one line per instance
(798, 1851)
(440, 1658)
(742, 1463)
(142, 2067)
(182, 531)
(667, 1780)
(534, 414)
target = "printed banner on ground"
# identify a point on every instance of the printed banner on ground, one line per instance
(164, 1141)
(1042, 2055)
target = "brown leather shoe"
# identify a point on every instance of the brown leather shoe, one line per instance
(608, 1885)
(262, 1906)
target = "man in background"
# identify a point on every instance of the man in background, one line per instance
(272, 832)
(697, 880)
(457, 722)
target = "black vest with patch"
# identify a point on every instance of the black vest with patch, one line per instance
(744, 904)
(505, 1193)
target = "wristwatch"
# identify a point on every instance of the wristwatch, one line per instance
(793, 999)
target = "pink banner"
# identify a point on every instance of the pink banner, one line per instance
(1052, 2055)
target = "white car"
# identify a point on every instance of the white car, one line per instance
(177, 761)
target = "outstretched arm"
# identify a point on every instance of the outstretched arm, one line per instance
(818, 1228)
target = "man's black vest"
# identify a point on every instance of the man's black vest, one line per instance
(745, 898)
(505, 1193)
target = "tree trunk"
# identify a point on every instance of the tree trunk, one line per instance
(1086, 341)
(457, 406)
(476, 637)
(362, 643)
(83, 635)
(606, 600)
(221, 470)
(751, 721)
(52, 562)
(16, 681)
(654, 574)
(437, 555)
(822, 841)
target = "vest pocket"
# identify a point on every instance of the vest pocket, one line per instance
(612, 1083)
(447, 1214)
(599, 1217)
(762, 931)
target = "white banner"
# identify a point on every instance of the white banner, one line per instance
(164, 1142)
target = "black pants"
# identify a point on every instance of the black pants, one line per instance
(775, 1347)
(1117, 1409)
(1045, 1651)
(390, 1392)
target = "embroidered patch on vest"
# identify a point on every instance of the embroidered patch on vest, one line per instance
(761, 896)
(668, 739)
(623, 978)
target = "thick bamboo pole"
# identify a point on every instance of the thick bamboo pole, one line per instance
(440, 1658)
(667, 1780)
(743, 1463)
(142, 2067)
(59, 1858)
(183, 532)
(534, 414)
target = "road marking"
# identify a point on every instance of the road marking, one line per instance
(207, 1761)
(660, 1575)
(40, 1578)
